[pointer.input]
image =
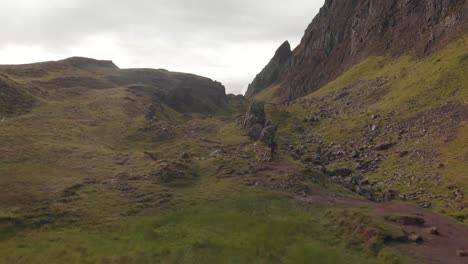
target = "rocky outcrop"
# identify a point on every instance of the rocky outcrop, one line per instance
(256, 124)
(254, 120)
(272, 72)
(183, 92)
(268, 134)
(255, 114)
(346, 32)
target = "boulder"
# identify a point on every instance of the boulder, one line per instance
(342, 172)
(390, 195)
(384, 146)
(403, 153)
(268, 134)
(255, 132)
(255, 115)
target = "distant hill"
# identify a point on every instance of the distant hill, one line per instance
(183, 92)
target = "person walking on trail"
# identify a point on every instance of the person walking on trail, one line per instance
(273, 148)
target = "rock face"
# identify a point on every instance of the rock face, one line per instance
(272, 72)
(183, 92)
(268, 134)
(347, 31)
(255, 115)
(256, 124)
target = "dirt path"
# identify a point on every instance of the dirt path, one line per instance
(440, 249)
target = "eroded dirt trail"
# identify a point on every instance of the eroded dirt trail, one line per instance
(276, 174)
(441, 249)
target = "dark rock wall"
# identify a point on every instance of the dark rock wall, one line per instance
(347, 31)
(272, 72)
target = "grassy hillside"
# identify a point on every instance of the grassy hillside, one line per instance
(418, 106)
(97, 172)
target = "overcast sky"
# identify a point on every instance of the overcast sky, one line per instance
(226, 40)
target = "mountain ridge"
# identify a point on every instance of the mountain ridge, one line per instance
(184, 91)
(346, 32)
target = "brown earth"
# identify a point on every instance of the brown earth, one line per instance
(440, 249)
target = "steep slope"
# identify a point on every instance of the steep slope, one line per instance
(271, 73)
(385, 106)
(346, 32)
(390, 129)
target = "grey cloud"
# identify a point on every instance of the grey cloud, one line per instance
(190, 35)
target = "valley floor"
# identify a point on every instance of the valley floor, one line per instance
(78, 187)
(105, 174)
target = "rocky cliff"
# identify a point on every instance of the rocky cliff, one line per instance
(347, 31)
(271, 73)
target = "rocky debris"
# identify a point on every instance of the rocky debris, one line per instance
(367, 151)
(441, 121)
(384, 146)
(158, 127)
(357, 184)
(342, 172)
(272, 71)
(184, 156)
(151, 112)
(425, 205)
(390, 195)
(169, 171)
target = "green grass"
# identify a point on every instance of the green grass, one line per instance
(268, 94)
(77, 134)
(249, 227)
(414, 86)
